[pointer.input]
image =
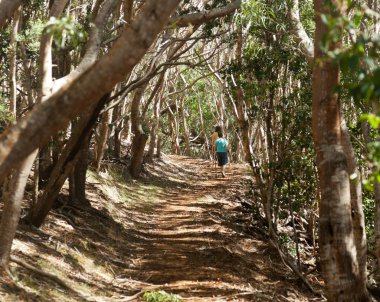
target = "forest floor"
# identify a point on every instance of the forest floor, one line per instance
(180, 229)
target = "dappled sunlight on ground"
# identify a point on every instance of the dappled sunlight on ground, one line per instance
(179, 228)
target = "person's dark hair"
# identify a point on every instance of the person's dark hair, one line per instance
(220, 134)
(218, 129)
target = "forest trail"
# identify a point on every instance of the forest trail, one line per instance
(180, 229)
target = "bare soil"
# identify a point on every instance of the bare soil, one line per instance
(181, 228)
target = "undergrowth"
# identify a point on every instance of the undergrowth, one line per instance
(161, 296)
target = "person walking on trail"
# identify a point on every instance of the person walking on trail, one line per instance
(221, 146)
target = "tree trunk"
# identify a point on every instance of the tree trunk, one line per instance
(203, 130)
(13, 192)
(338, 253)
(140, 137)
(367, 139)
(185, 130)
(242, 115)
(65, 165)
(79, 174)
(101, 140)
(357, 212)
(159, 145)
(154, 129)
(13, 63)
(27, 76)
(117, 123)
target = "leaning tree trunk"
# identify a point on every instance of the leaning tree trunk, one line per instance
(65, 165)
(14, 186)
(12, 195)
(338, 253)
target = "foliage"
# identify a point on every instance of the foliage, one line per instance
(358, 57)
(31, 36)
(359, 61)
(6, 117)
(161, 296)
(65, 31)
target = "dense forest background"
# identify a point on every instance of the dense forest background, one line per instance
(294, 85)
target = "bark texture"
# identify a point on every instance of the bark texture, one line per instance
(203, 17)
(140, 137)
(7, 9)
(338, 252)
(13, 194)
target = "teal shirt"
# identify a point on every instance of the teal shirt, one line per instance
(221, 145)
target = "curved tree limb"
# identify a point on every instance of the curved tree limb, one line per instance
(300, 35)
(93, 45)
(203, 17)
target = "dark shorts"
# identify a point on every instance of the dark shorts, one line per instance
(222, 158)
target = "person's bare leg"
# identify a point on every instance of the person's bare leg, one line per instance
(223, 174)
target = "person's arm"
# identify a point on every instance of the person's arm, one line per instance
(227, 147)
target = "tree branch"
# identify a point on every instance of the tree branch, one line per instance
(204, 17)
(300, 35)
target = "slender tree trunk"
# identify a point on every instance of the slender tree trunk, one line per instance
(116, 116)
(159, 144)
(367, 138)
(13, 189)
(140, 137)
(271, 159)
(173, 130)
(203, 130)
(13, 62)
(338, 253)
(154, 129)
(185, 130)
(357, 212)
(241, 112)
(101, 140)
(27, 76)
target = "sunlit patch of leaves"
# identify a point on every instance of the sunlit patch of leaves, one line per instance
(6, 117)
(161, 296)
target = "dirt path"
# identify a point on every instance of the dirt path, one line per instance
(180, 229)
(191, 242)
